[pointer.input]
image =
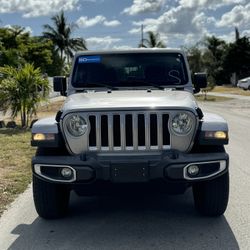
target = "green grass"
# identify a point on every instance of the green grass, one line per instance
(15, 158)
(231, 90)
(15, 164)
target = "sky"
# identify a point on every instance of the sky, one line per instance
(116, 24)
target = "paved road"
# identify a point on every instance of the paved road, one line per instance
(154, 222)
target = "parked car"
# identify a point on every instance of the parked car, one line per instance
(130, 120)
(244, 83)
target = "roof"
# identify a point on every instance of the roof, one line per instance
(134, 50)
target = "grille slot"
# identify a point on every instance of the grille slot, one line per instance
(165, 132)
(129, 131)
(153, 130)
(117, 131)
(92, 134)
(104, 131)
(141, 130)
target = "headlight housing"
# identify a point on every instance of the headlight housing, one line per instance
(76, 125)
(182, 123)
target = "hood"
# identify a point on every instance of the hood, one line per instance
(130, 99)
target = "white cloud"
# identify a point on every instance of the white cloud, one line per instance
(176, 20)
(28, 29)
(230, 37)
(102, 42)
(188, 22)
(202, 20)
(112, 23)
(33, 8)
(143, 6)
(135, 31)
(245, 33)
(184, 24)
(208, 4)
(85, 22)
(238, 16)
(122, 47)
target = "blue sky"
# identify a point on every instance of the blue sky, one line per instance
(108, 24)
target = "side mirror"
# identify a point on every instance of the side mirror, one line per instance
(200, 81)
(60, 84)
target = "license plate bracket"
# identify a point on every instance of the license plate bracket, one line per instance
(130, 172)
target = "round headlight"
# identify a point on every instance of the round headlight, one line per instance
(76, 125)
(182, 123)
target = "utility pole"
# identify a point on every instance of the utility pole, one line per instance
(142, 39)
(237, 34)
(234, 75)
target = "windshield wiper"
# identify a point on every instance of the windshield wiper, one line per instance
(96, 84)
(155, 86)
(143, 83)
(105, 85)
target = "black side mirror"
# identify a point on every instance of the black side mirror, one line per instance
(200, 81)
(60, 84)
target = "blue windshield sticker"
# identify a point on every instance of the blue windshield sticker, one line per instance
(89, 59)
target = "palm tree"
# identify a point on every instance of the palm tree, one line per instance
(61, 34)
(215, 46)
(153, 41)
(21, 90)
(215, 50)
(11, 37)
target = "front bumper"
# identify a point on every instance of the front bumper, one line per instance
(130, 167)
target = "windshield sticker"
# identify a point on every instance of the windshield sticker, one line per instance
(89, 59)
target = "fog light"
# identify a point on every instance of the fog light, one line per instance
(66, 172)
(193, 170)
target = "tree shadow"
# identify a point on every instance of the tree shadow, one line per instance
(13, 131)
(137, 222)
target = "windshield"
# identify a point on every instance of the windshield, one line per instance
(129, 70)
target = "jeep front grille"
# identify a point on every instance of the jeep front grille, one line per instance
(128, 131)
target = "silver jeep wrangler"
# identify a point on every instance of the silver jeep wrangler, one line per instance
(130, 120)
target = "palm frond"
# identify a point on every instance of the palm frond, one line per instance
(60, 34)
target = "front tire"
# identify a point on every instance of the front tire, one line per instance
(51, 199)
(211, 197)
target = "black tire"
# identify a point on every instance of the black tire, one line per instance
(211, 197)
(51, 199)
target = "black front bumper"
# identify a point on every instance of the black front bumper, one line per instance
(132, 167)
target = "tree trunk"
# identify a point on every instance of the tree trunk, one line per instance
(61, 54)
(23, 115)
(24, 118)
